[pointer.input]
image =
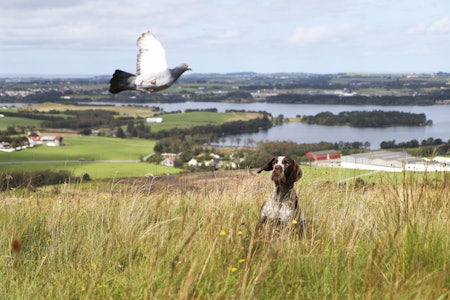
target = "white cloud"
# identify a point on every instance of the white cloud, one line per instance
(84, 24)
(326, 33)
(217, 35)
(223, 38)
(439, 26)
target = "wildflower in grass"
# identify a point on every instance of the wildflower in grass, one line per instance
(294, 222)
(241, 261)
(222, 233)
(239, 232)
(233, 269)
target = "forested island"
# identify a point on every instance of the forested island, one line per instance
(376, 118)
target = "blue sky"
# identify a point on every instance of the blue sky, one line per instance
(94, 37)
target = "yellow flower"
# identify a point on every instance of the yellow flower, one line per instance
(294, 222)
(233, 269)
(222, 232)
(239, 232)
(242, 260)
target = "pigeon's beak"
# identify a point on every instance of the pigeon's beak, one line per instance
(188, 68)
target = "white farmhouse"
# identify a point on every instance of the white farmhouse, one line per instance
(154, 120)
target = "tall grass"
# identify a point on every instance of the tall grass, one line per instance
(126, 240)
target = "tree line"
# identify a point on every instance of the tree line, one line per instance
(426, 147)
(357, 99)
(376, 118)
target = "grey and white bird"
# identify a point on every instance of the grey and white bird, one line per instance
(152, 71)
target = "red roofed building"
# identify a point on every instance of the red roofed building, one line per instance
(324, 155)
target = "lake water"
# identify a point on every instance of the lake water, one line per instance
(303, 133)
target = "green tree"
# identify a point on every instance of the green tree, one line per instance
(120, 133)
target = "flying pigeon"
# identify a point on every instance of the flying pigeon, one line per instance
(153, 73)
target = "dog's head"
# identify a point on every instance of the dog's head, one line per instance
(284, 169)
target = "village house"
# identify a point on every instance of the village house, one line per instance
(194, 163)
(168, 159)
(6, 147)
(47, 140)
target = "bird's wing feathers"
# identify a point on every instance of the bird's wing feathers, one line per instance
(152, 56)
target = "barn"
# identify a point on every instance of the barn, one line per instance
(324, 155)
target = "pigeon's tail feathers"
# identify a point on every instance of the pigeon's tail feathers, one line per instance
(122, 81)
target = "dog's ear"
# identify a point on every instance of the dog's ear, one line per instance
(296, 173)
(268, 166)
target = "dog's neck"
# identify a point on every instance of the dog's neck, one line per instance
(282, 192)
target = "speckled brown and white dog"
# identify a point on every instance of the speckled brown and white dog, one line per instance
(282, 208)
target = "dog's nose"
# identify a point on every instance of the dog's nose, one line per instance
(277, 168)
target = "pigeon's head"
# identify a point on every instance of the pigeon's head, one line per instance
(178, 70)
(186, 67)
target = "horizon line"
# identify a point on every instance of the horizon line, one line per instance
(43, 75)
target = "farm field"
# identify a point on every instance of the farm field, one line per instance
(133, 111)
(100, 157)
(5, 122)
(199, 118)
(85, 148)
(180, 120)
(387, 236)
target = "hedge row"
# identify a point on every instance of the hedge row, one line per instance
(36, 179)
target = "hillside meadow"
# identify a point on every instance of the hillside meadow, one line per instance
(370, 235)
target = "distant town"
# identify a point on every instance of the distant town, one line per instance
(343, 88)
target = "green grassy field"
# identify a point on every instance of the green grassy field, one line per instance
(197, 240)
(86, 148)
(78, 155)
(6, 122)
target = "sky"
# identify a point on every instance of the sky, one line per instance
(95, 37)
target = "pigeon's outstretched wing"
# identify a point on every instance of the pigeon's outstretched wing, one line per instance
(152, 71)
(151, 58)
